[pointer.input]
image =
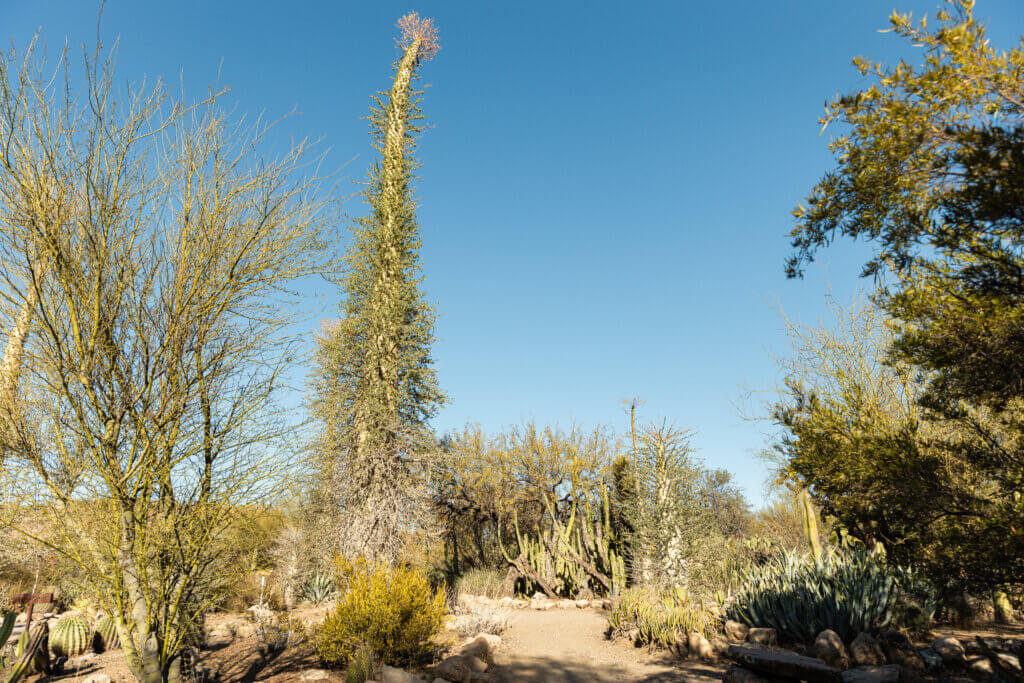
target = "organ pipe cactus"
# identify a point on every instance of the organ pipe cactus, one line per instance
(71, 635)
(106, 637)
(566, 557)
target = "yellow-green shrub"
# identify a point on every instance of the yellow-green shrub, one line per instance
(659, 616)
(391, 610)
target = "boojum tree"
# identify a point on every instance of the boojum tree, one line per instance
(376, 386)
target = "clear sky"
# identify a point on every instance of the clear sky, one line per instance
(606, 186)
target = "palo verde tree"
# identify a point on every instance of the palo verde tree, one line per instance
(147, 250)
(930, 171)
(376, 386)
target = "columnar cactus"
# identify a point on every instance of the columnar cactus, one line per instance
(32, 655)
(71, 635)
(106, 637)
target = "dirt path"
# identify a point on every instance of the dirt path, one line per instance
(569, 646)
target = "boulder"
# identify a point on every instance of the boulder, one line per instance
(720, 646)
(784, 665)
(951, 650)
(899, 650)
(768, 637)
(865, 651)
(506, 602)
(889, 673)
(980, 665)
(314, 675)
(97, 678)
(389, 674)
(566, 604)
(460, 668)
(482, 647)
(1008, 661)
(699, 646)
(737, 674)
(681, 646)
(829, 648)
(736, 631)
(932, 659)
(583, 604)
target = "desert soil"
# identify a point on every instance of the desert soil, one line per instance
(569, 646)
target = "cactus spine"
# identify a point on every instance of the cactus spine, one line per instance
(810, 525)
(106, 635)
(572, 556)
(33, 655)
(71, 635)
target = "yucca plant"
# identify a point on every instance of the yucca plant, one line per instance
(318, 589)
(847, 591)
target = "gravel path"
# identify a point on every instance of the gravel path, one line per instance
(570, 646)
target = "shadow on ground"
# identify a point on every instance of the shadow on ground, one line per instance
(554, 670)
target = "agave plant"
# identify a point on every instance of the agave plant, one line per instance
(319, 588)
(846, 591)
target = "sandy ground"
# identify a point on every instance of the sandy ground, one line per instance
(570, 646)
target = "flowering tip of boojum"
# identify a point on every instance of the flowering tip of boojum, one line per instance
(415, 28)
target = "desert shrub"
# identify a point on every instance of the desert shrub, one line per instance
(481, 581)
(847, 591)
(393, 611)
(659, 616)
(246, 592)
(473, 618)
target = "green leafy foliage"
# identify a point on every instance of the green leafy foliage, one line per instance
(391, 610)
(846, 591)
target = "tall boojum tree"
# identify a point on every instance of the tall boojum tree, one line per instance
(376, 385)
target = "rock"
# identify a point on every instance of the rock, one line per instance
(785, 665)
(97, 678)
(482, 647)
(699, 646)
(681, 646)
(538, 596)
(736, 631)
(899, 650)
(889, 673)
(865, 651)
(980, 665)
(720, 646)
(932, 659)
(582, 604)
(1009, 661)
(459, 668)
(80, 661)
(768, 637)
(389, 674)
(505, 602)
(542, 604)
(314, 675)
(951, 650)
(479, 678)
(566, 604)
(737, 674)
(829, 648)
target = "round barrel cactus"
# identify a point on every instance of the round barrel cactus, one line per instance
(106, 635)
(71, 635)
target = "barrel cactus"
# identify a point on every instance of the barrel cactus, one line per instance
(71, 635)
(106, 635)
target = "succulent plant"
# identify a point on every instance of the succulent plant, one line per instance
(106, 637)
(319, 588)
(846, 591)
(32, 653)
(71, 635)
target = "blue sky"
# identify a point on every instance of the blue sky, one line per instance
(606, 186)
